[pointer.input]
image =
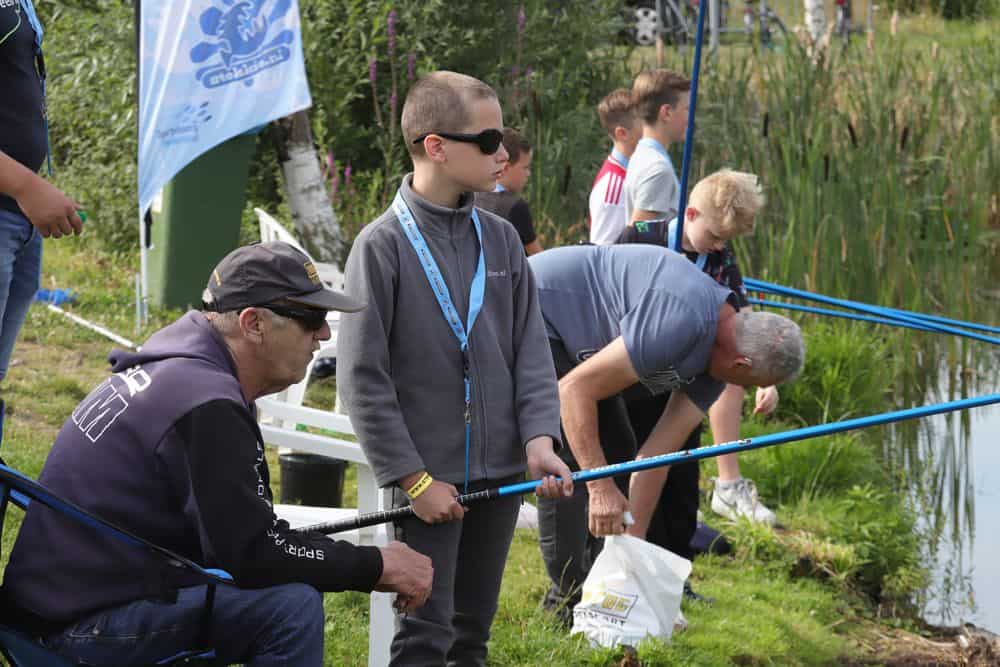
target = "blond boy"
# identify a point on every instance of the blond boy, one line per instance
(606, 204)
(442, 404)
(722, 206)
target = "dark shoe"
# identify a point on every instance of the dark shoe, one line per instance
(707, 540)
(560, 607)
(689, 594)
(324, 368)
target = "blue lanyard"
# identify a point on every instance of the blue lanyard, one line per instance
(440, 289)
(619, 157)
(36, 25)
(675, 243)
(499, 188)
(33, 21)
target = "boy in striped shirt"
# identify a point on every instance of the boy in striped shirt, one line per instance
(607, 205)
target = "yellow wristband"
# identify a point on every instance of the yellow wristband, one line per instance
(420, 486)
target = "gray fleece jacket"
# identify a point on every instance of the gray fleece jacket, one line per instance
(399, 366)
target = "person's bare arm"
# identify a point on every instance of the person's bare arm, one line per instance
(603, 375)
(46, 207)
(679, 418)
(724, 417)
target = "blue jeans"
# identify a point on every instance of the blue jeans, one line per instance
(281, 625)
(20, 271)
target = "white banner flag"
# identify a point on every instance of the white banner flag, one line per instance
(211, 70)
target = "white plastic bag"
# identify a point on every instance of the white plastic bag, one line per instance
(633, 590)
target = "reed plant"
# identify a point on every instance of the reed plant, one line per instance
(881, 166)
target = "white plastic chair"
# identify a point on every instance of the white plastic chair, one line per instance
(278, 419)
(272, 230)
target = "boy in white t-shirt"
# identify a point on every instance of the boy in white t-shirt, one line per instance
(651, 187)
(607, 205)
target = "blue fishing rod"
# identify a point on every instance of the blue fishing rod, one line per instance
(687, 456)
(689, 138)
(878, 311)
(771, 288)
(836, 313)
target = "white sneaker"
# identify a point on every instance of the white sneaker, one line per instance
(740, 499)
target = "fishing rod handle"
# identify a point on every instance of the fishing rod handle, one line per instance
(386, 516)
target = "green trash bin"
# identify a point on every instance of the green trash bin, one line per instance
(199, 223)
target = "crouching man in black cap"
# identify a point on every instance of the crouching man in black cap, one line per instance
(168, 448)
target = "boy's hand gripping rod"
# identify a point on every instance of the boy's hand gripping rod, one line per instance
(374, 518)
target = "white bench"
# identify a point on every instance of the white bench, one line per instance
(278, 419)
(272, 230)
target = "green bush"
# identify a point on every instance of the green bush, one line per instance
(883, 533)
(848, 372)
(549, 65)
(786, 473)
(90, 57)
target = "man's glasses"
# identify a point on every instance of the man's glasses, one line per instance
(488, 140)
(311, 319)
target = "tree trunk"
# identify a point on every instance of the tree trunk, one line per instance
(312, 214)
(815, 20)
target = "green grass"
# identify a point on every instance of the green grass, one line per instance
(760, 617)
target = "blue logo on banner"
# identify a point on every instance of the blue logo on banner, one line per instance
(238, 36)
(185, 124)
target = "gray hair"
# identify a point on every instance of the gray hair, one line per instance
(774, 345)
(228, 323)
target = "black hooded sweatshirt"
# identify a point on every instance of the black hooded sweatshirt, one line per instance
(169, 449)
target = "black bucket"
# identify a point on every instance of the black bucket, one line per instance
(311, 479)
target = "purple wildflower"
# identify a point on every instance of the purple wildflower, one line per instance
(372, 67)
(347, 176)
(331, 165)
(391, 29)
(411, 66)
(334, 184)
(528, 71)
(392, 104)
(515, 71)
(522, 20)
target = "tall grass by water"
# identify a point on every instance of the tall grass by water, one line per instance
(881, 166)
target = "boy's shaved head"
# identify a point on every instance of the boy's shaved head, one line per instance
(440, 102)
(731, 198)
(654, 88)
(617, 109)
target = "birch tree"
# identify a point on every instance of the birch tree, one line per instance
(312, 213)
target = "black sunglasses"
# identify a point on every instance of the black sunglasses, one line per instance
(488, 140)
(311, 319)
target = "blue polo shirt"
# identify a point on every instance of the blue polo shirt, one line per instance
(663, 307)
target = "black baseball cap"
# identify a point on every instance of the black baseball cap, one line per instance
(262, 273)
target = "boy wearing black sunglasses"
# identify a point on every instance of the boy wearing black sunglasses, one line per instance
(445, 375)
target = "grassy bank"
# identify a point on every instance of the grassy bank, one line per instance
(797, 596)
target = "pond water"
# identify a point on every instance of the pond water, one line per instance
(964, 498)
